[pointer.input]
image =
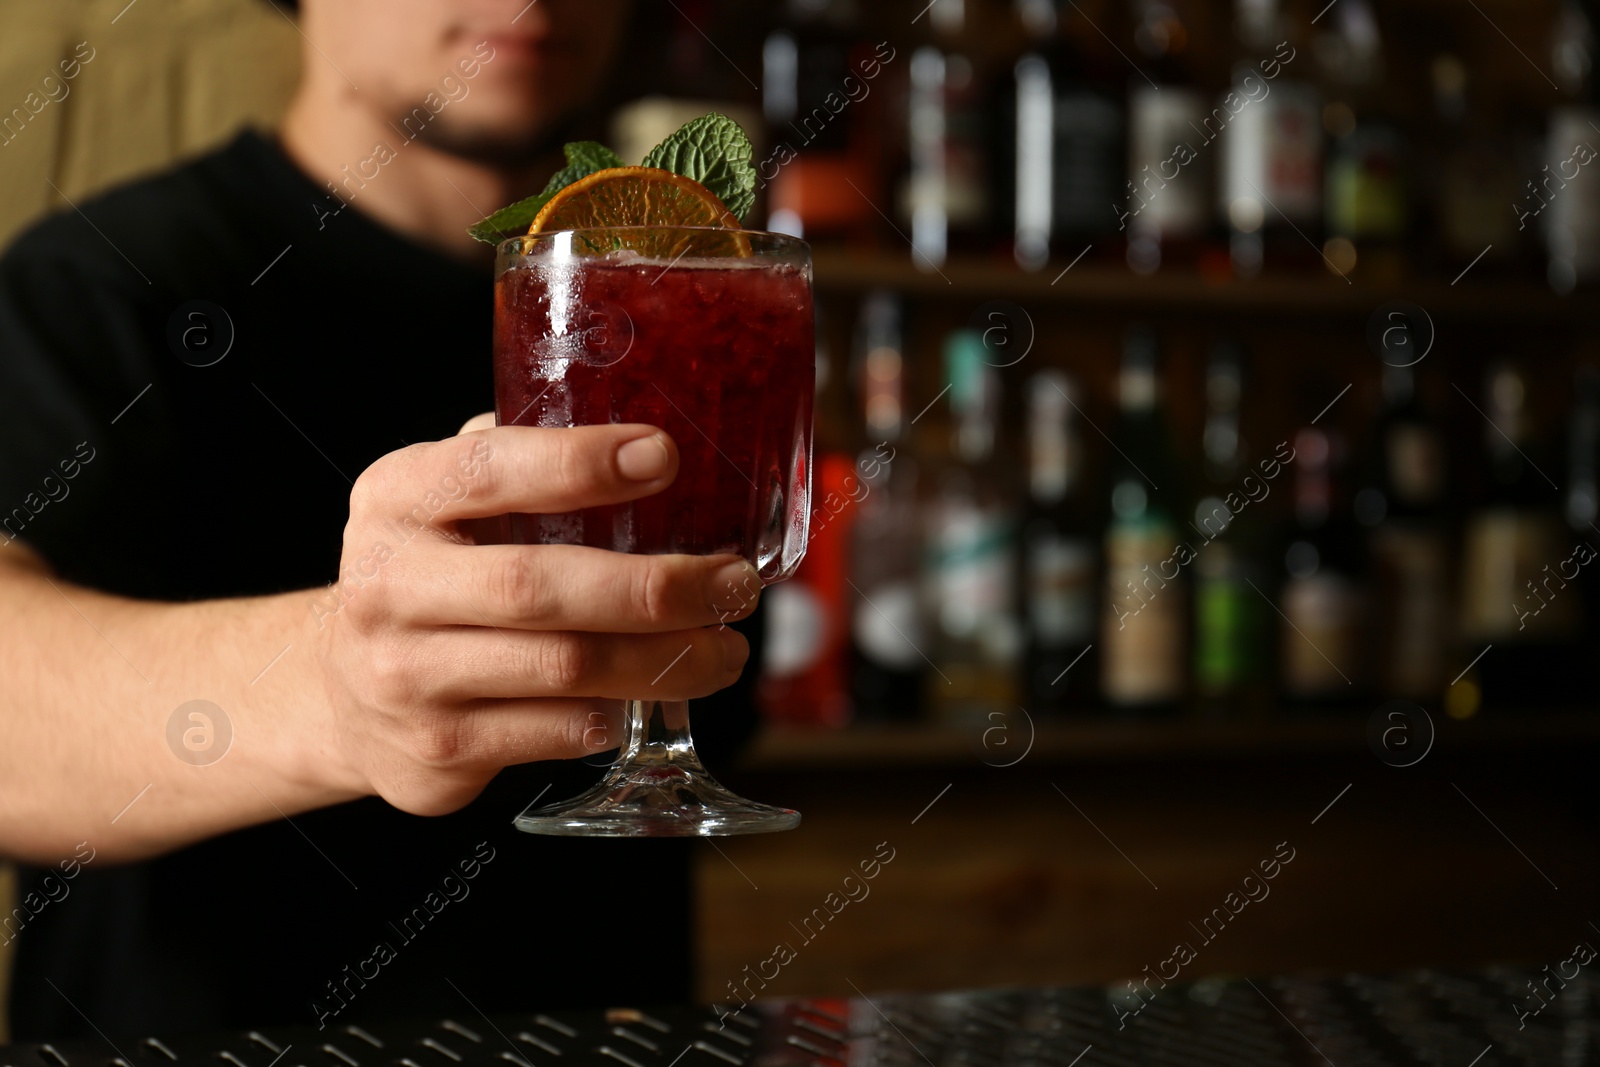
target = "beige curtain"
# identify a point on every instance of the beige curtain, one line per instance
(154, 80)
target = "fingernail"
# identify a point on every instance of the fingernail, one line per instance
(643, 458)
(735, 588)
(735, 649)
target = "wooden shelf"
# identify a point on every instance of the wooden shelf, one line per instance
(1114, 289)
(918, 745)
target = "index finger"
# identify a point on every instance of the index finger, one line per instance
(510, 469)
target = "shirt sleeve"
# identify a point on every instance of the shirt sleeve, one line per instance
(76, 358)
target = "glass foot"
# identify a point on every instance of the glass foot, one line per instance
(656, 801)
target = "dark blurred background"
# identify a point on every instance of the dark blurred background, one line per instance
(1206, 458)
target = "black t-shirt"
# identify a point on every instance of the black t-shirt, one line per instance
(137, 472)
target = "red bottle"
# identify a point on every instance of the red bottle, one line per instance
(805, 669)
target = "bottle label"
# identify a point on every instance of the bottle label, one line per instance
(1572, 225)
(1142, 652)
(1272, 150)
(972, 581)
(1366, 198)
(1170, 201)
(888, 625)
(1322, 644)
(1226, 614)
(1514, 588)
(1416, 467)
(1060, 590)
(796, 630)
(1413, 617)
(946, 138)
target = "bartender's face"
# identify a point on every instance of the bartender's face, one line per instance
(492, 78)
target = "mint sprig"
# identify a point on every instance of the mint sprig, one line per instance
(583, 159)
(711, 150)
(715, 152)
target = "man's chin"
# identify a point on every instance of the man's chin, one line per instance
(495, 146)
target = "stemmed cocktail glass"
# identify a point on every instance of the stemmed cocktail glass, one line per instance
(706, 333)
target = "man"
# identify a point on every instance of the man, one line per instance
(203, 377)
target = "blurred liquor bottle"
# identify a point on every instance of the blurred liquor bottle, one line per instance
(887, 671)
(1365, 186)
(805, 664)
(822, 165)
(1060, 553)
(1582, 501)
(1515, 596)
(1143, 640)
(685, 78)
(1166, 202)
(971, 550)
(691, 68)
(1401, 506)
(945, 195)
(1268, 129)
(1063, 144)
(1230, 576)
(1468, 175)
(1571, 197)
(1321, 644)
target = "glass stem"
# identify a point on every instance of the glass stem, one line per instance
(658, 735)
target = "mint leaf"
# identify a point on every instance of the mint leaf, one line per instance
(715, 152)
(510, 220)
(583, 159)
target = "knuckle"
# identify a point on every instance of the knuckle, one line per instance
(483, 477)
(571, 464)
(436, 740)
(391, 668)
(371, 488)
(514, 582)
(461, 452)
(654, 587)
(563, 662)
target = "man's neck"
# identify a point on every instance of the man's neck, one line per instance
(407, 185)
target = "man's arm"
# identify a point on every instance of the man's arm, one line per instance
(91, 682)
(428, 668)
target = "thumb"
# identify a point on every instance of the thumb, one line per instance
(478, 422)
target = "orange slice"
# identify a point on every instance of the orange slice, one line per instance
(646, 198)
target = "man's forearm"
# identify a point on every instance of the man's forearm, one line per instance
(94, 746)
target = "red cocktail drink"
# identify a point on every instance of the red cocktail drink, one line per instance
(716, 351)
(709, 337)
